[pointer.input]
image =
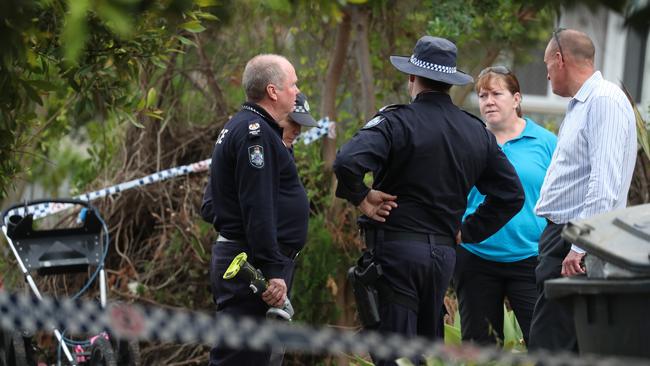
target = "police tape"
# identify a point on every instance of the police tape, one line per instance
(49, 208)
(325, 127)
(20, 312)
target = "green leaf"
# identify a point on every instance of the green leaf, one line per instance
(511, 331)
(206, 16)
(158, 62)
(43, 85)
(359, 361)
(404, 362)
(133, 120)
(206, 3)
(74, 34)
(115, 18)
(186, 41)
(279, 5)
(452, 335)
(32, 93)
(152, 97)
(153, 115)
(193, 26)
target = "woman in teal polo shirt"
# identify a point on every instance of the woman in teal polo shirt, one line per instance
(504, 264)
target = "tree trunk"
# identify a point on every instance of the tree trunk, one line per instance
(328, 101)
(361, 20)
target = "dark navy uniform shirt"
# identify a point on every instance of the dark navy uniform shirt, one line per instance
(430, 154)
(257, 197)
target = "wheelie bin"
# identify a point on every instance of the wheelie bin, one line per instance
(611, 303)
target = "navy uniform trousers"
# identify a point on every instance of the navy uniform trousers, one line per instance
(235, 298)
(552, 327)
(421, 271)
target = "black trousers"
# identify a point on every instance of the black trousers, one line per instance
(421, 271)
(552, 327)
(482, 285)
(235, 298)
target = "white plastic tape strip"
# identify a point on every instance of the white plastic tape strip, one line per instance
(45, 209)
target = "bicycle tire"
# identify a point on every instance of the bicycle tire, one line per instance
(17, 355)
(101, 353)
(128, 353)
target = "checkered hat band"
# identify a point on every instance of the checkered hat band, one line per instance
(435, 67)
(300, 109)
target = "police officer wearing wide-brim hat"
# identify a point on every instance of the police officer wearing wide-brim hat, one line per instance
(425, 157)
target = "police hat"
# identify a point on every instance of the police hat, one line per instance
(300, 112)
(433, 58)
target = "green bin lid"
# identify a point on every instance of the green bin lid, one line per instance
(620, 237)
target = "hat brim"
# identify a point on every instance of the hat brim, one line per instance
(403, 64)
(303, 119)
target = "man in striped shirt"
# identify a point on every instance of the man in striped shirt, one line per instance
(590, 172)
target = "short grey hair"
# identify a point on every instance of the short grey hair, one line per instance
(261, 71)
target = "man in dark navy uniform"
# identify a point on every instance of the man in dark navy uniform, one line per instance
(425, 157)
(259, 205)
(291, 127)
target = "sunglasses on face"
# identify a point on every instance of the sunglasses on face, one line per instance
(495, 69)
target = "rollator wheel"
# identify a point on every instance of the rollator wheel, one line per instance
(101, 353)
(5, 343)
(128, 353)
(17, 352)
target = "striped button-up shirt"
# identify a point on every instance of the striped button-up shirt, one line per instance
(591, 169)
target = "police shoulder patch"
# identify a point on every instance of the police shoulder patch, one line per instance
(391, 107)
(374, 122)
(256, 156)
(254, 129)
(474, 117)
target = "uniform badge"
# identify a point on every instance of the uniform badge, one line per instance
(256, 156)
(254, 129)
(374, 122)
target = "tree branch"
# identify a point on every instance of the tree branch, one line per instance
(206, 68)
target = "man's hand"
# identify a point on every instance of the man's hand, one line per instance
(459, 238)
(275, 293)
(571, 264)
(377, 205)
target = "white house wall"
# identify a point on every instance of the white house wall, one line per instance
(606, 29)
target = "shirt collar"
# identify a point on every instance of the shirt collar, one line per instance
(431, 95)
(588, 86)
(528, 130)
(255, 108)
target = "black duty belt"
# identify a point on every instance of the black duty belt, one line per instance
(372, 236)
(288, 251)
